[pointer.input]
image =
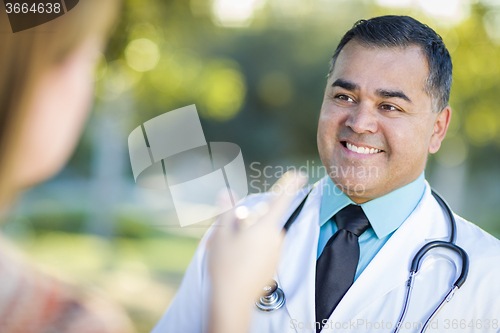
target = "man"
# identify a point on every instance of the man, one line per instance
(346, 258)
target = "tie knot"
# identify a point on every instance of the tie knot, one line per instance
(353, 219)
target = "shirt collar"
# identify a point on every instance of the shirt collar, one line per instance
(385, 213)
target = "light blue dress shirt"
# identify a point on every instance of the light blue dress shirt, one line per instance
(385, 214)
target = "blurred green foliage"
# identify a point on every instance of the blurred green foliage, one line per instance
(140, 273)
(260, 84)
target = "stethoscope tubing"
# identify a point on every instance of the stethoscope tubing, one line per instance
(415, 265)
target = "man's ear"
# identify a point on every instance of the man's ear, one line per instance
(440, 128)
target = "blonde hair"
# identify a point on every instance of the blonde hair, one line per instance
(26, 55)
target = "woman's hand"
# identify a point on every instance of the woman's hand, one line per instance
(243, 253)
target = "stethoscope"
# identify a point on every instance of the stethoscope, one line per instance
(274, 298)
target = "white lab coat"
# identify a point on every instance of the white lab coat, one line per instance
(374, 301)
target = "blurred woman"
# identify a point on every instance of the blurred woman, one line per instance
(46, 87)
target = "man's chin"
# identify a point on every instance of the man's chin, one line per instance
(360, 188)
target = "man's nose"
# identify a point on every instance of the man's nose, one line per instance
(362, 119)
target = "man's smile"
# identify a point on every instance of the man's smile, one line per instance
(359, 149)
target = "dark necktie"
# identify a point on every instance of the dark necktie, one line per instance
(336, 266)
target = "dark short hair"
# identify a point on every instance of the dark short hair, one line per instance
(404, 31)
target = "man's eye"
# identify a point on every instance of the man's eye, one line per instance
(388, 107)
(344, 98)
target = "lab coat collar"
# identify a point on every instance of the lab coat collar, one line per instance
(296, 272)
(428, 222)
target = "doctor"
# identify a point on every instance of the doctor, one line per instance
(345, 260)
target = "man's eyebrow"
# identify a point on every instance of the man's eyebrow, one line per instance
(393, 93)
(345, 84)
(351, 86)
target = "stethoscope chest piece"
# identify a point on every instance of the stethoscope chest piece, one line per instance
(273, 298)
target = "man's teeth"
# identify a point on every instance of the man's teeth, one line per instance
(362, 150)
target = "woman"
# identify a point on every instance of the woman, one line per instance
(46, 79)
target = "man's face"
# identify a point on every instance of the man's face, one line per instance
(375, 103)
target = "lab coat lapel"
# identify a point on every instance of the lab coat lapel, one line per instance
(297, 268)
(390, 267)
